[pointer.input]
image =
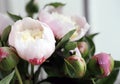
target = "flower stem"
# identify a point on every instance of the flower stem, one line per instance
(93, 81)
(18, 75)
(32, 70)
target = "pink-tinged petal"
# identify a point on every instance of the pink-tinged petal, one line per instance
(81, 21)
(101, 65)
(4, 22)
(36, 61)
(83, 48)
(3, 54)
(82, 24)
(59, 23)
(104, 62)
(62, 24)
(8, 58)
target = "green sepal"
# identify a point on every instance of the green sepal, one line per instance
(8, 78)
(55, 4)
(94, 68)
(5, 35)
(70, 45)
(14, 17)
(65, 39)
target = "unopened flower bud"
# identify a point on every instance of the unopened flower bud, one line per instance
(31, 7)
(101, 65)
(83, 48)
(75, 66)
(8, 58)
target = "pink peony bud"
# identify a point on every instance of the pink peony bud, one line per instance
(101, 64)
(83, 48)
(61, 24)
(75, 67)
(4, 22)
(33, 40)
(8, 58)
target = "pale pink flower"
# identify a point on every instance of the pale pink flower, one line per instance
(33, 40)
(4, 22)
(61, 24)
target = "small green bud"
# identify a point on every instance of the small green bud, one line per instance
(75, 66)
(31, 8)
(83, 48)
(8, 58)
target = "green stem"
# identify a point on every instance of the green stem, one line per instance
(18, 75)
(30, 15)
(93, 81)
(32, 70)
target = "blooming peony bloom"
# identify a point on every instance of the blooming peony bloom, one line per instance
(4, 22)
(101, 64)
(33, 40)
(61, 24)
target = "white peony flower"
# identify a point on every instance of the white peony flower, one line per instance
(33, 40)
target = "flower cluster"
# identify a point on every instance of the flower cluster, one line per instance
(54, 43)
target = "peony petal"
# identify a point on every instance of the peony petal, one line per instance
(61, 24)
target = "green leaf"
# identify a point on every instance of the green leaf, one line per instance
(0, 44)
(55, 4)
(54, 64)
(117, 64)
(70, 45)
(91, 46)
(14, 17)
(110, 79)
(36, 75)
(24, 70)
(7, 79)
(69, 69)
(50, 71)
(5, 34)
(65, 39)
(91, 36)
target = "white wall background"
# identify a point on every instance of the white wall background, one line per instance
(105, 18)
